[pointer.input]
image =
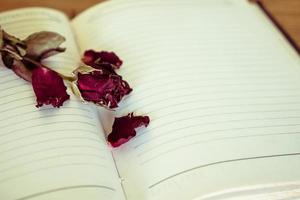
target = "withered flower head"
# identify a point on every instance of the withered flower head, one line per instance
(101, 87)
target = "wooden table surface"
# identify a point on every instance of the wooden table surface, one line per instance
(285, 12)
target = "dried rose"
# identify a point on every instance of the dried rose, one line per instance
(48, 87)
(96, 59)
(101, 86)
(124, 127)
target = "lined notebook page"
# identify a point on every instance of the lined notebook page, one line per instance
(50, 153)
(222, 88)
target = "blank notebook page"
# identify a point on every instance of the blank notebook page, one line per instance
(220, 84)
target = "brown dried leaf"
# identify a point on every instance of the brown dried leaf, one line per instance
(43, 44)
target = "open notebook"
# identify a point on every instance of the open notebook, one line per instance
(218, 80)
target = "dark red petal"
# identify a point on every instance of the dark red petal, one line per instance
(48, 87)
(124, 128)
(94, 58)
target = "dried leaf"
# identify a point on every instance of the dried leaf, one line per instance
(43, 44)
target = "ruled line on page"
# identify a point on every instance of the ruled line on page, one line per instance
(25, 91)
(200, 134)
(221, 162)
(228, 113)
(95, 140)
(179, 80)
(151, 158)
(65, 130)
(148, 100)
(43, 109)
(219, 106)
(30, 97)
(13, 87)
(174, 131)
(158, 97)
(74, 164)
(31, 153)
(32, 119)
(66, 188)
(215, 114)
(171, 105)
(29, 108)
(144, 131)
(45, 158)
(133, 70)
(12, 78)
(158, 78)
(29, 20)
(46, 124)
(210, 88)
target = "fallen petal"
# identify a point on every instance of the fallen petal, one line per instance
(94, 58)
(124, 128)
(49, 87)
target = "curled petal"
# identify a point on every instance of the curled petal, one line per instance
(124, 128)
(48, 87)
(94, 59)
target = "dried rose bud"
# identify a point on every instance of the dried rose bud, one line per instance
(94, 59)
(48, 87)
(102, 87)
(124, 127)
